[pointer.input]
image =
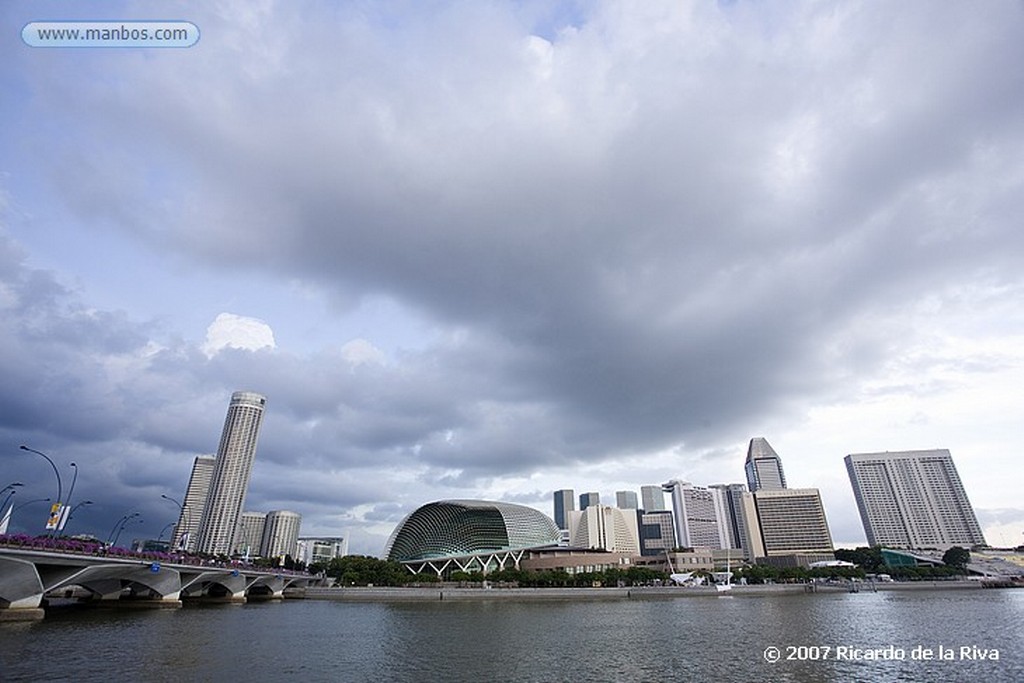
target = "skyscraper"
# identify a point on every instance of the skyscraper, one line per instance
(281, 533)
(787, 527)
(249, 537)
(700, 515)
(231, 472)
(191, 513)
(564, 504)
(912, 499)
(626, 500)
(735, 523)
(763, 466)
(652, 498)
(588, 499)
(608, 528)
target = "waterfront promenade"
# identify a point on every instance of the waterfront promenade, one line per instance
(454, 594)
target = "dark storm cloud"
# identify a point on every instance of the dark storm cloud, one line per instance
(647, 232)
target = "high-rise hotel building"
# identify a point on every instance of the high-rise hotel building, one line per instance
(231, 472)
(763, 466)
(191, 513)
(912, 499)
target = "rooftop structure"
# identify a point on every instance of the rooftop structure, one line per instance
(456, 528)
(763, 466)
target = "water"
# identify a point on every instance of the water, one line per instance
(688, 639)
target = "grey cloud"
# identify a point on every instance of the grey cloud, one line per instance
(647, 233)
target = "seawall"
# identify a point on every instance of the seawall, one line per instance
(445, 593)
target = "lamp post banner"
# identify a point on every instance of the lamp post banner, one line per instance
(64, 514)
(54, 519)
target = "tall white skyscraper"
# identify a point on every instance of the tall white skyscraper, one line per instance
(763, 466)
(912, 499)
(231, 472)
(700, 515)
(191, 513)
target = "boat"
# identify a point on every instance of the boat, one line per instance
(727, 586)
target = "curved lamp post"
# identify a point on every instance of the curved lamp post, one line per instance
(71, 514)
(123, 525)
(13, 488)
(60, 489)
(71, 492)
(28, 502)
(186, 516)
(120, 523)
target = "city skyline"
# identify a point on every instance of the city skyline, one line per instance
(537, 244)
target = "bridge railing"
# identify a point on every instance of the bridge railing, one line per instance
(74, 546)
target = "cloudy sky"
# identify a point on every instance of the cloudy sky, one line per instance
(493, 249)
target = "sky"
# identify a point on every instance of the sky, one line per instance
(495, 249)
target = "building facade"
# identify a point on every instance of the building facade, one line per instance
(699, 515)
(588, 499)
(787, 527)
(626, 500)
(565, 502)
(321, 550)
(605, 528)
(249, 538)
(763, 466)
(657, 532)
(232, 469)
(735, 522)
(193, 504)
(281, 534)
(912, 499)
(652, 498)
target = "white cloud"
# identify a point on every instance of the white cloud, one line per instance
(360, 351)
(230, 331)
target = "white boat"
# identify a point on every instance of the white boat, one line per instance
(727, 586)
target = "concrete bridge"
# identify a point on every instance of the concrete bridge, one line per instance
(29, 575)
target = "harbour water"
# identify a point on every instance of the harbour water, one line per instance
(887, 636)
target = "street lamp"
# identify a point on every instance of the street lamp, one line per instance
(123, 525)
(28, 502)
(120, 522)
(185, 515)
(13, 489)
(60, 489)
(71, 513)
(166, 527)
(63, 520)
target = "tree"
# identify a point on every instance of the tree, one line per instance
(957, 557)
(868, 559)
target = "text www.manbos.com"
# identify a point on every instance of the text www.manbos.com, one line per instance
(110, 34)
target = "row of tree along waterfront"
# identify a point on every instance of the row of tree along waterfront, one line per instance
(361, 570)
